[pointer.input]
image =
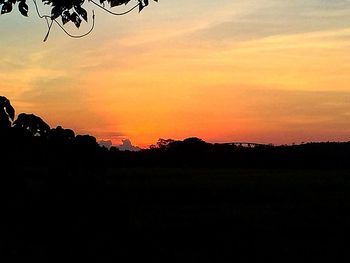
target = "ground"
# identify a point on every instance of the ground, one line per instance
(176, 215)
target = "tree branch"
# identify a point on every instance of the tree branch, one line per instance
(112, 13)
(49, 24)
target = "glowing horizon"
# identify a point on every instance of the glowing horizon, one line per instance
(267, 71)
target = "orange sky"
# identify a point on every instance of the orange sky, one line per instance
(255, 70)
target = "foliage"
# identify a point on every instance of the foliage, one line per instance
(7, 113)
(69, 10)
(33, 124)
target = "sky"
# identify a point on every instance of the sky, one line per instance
(267, 71)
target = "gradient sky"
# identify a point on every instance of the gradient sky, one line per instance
(269, 71)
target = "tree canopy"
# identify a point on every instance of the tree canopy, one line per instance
(63, 11)
(7, 113)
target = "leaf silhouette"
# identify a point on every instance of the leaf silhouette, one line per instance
(75, 19)
(23, 8)
(6, 8)
(65, 17)
(82, 12)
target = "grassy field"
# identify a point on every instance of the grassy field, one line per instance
(174, 215)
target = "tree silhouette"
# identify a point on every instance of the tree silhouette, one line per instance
(60, 135)
(7, 113)
(31, 123)
(70, 11)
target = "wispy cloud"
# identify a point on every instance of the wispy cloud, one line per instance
(279, 18)
(215, 69)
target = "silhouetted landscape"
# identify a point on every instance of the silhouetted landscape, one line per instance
(66, 197)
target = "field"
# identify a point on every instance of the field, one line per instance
(176, 215)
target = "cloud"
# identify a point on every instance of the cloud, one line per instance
(112, 135)
(108, 144)
(279, 18)
(49, 90)
(127, 146)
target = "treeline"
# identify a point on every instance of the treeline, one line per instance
(29, 140)
(63, 196)
(196, 152)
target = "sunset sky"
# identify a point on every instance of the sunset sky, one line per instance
(268, 71)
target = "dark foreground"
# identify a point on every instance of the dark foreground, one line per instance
(174, 215)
